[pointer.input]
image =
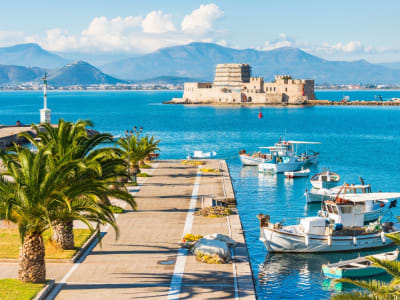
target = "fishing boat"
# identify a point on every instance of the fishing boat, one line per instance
(201, 154)
(284, 148)
(295, 174)
(320, 195)
(253, 159)
(281, 161)
(325, 180)
(340, 228)
(358, 267)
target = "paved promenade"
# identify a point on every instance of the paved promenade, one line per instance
(146, 262)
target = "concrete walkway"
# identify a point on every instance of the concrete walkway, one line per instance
(141, 263)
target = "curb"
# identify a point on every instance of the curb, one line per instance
(46, 290)
(82, 250)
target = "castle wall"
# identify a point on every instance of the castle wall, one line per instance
(233, 84)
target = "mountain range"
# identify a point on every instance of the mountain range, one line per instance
(199, 60)
(177, 64)
(78, 73)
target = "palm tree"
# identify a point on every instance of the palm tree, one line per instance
(377, 289)
(149, 145)
(102, 166)
(137, 149)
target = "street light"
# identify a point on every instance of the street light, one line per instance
(128, 135)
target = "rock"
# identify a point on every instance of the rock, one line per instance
(221, 237)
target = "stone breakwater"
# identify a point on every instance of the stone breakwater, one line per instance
(308, 103)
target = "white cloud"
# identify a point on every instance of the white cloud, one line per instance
(282, 41)
(350, 47)
(201, 20)
(157, 22)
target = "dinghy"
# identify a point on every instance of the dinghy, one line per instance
(358, 267)
(201, 154)
(325, 180)
(294, 174)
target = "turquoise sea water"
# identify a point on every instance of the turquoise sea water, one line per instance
(356, 141)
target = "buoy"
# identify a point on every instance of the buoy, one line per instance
(260, 115)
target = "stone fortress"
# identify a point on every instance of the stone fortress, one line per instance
(233, 84)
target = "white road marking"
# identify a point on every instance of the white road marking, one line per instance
(176, 281)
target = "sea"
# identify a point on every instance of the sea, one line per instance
(356, 141)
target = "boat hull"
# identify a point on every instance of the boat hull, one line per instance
(281, 241)
(337, 273)
(248, 160)
(280, 167)
(316, 197)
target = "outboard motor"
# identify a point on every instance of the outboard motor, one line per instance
(387, 226)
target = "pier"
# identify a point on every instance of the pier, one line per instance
(147, 260)
(9, 134)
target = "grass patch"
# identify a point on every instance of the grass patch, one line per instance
(12, 289)
(143, 175)
(10, 243)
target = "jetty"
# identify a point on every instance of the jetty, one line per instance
(147, 261)
(9, 134)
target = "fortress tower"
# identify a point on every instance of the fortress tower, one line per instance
(232, 75)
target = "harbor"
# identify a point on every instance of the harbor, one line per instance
(281, 197)
(146, 260)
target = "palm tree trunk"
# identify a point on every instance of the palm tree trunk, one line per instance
(32, 267)
(63, 235)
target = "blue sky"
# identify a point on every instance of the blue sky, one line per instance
(346, 30)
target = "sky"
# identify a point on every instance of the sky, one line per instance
(339, 30)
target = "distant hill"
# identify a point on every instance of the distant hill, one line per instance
(169, 80)
(19, 74)
(391, 65)
(198, 60)
(80, 73)
(30, 55)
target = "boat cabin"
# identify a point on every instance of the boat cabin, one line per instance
(351, 209)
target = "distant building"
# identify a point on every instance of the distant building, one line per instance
(233, 84)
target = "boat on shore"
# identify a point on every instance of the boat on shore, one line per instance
(295, 174)
(358, 267)
(340, 228)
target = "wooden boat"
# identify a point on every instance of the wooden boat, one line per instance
(358, 267)
(294, 174)
(325, 180)
(340, 227)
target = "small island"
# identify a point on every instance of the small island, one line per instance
(234, 84)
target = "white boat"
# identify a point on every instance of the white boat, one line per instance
(341, 229)
(325, 180)
(368, 207)
(294, 174)
(253, 159)
(320, 195)
(284, 148)
(358, 267)
(201, 154)
(280, 164)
